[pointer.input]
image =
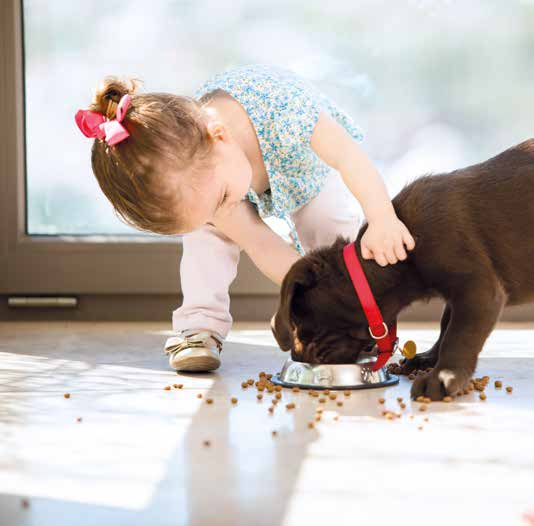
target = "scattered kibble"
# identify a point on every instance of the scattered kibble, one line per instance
(271, 409)
(274, 401)
(315, 394)
(482, 396)
(207, 443)
(66, 395)
(259, 396)
(319, 409)
(420, 428)
(346, 393)
(261, 374)
(250, 381)
(447, 399)
(399, 399)
(311, 425)
(274, 433)
(79, 419)
(209, 400)
(339, 404)
(291, 405)
(402, 405)
(509, 389)
(233, 400)
(427, 419)
(423, 407)
(326, 392)
(390, 416)
(420, 398)
(244, 385)
(381, 400)
(332, 396)
(498, 384)
(268, 376)
(336, 418)
(295, 389)
(278, 388)
(317, 417)
(175, 386)
(278, 396)
(199, 395)
(322, 400)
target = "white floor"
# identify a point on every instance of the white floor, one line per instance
(138, 458)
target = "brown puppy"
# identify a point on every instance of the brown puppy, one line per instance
(474, 235)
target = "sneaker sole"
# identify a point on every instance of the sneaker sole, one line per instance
(196, 364)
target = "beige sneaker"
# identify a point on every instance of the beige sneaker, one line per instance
(194, 351)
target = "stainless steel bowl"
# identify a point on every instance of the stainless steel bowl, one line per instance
(336, 376)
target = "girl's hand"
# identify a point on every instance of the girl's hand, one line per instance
(384, 241)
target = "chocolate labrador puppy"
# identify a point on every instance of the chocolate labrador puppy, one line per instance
(474, 235)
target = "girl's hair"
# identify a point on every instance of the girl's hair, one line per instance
(166, 132)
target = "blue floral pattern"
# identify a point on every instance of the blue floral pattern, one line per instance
(283, 108)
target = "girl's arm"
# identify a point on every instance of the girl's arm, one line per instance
(386, 235)
(269, 252)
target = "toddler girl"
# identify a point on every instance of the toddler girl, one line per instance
(254, 141)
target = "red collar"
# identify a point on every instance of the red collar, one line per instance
(387, 341)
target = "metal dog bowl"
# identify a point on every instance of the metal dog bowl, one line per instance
(336, 376)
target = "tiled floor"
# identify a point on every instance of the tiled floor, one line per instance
(137, 457)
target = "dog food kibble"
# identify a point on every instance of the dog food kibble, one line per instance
(270, 389)
(346, 393)
(259, 396)
(250, 381)
(207, 443)
(317, 417)
(278, 388)
(315, 394)
(199, 395)
(427, 419)
(274, 433)
(381, 400)
(209, 400)
(423, 407)
(278, 396)
(410, 417)
(420, 428)
(399, 399)
(167, 388)
(244, 385)
(336, 418)
(79, 419)
(311, 425)
(339, 404)
(261, 388)
(275, 401)
(271, 409)
(269, 376)
(233, 400)
(447, 399)
(509, 389)
(67, 395)
(295, 389)
(390, 416)
(319, 409)
(322, 400)
(332, 396)
(420, 399)
(498, 384)
(482, 396)
(403, 405)
(326, 392)
(261, 374)
(175, 386)
(290, 406)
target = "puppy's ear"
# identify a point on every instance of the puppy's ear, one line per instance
(296, 280)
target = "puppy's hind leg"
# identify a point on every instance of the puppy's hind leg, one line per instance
(473, 316)
(428, 358)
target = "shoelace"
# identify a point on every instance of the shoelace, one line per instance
(193, 342)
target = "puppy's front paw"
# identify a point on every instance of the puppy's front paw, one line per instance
(420, 361)
(440, 383)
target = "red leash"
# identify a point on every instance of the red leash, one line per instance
(387, 341)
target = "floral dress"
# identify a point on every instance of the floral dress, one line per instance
(283, 108)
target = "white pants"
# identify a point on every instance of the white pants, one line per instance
(209, 260)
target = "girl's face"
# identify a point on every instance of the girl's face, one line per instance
(218, 189)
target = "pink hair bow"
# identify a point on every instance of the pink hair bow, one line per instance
(94, 125)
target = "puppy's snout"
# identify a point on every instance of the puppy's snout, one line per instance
(280, 336)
